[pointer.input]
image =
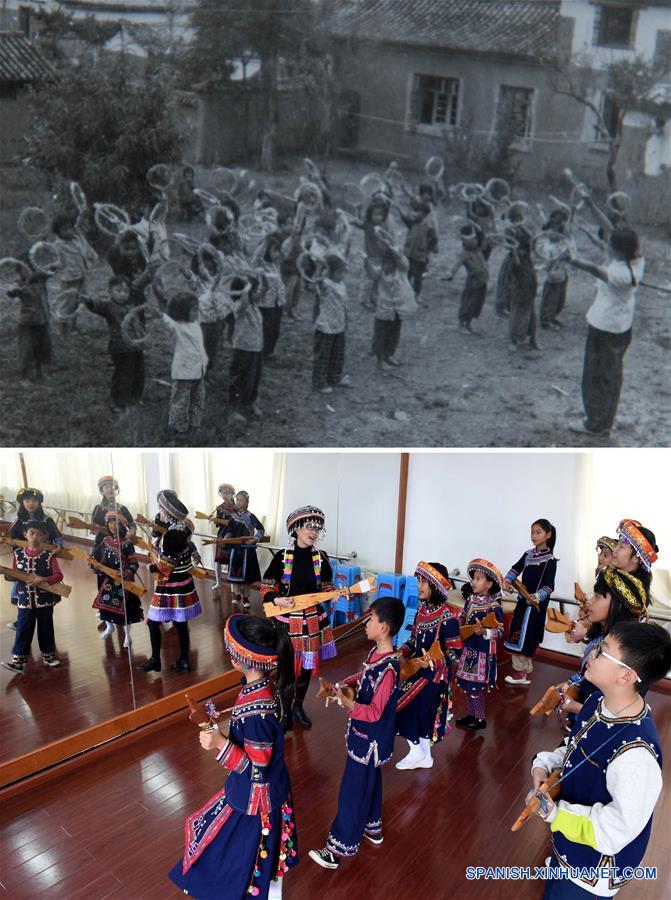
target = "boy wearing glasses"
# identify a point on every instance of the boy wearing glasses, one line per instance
(611, 767)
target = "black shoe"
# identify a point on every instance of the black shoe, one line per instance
(477, 724)
(182, 665)
(152, 665)
(287, 723)
(466, 722)
(301, 716)
(324, 858)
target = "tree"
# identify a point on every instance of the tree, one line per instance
(626, 85)
(103, 127)
(271, 30)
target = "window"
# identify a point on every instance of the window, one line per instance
(610, 113)
(436, 100)
(516, 110)
(614, 26)
(9, 91)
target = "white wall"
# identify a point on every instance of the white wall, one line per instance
(462, 505)
(359, 494)
(650, 21)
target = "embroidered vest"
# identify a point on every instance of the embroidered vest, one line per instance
(33, 565)
(374, 741)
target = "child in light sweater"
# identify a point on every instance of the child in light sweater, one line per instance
(189, 364)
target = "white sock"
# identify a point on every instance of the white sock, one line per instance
(275, 889)
(217, 574)
(425, 744)
(108, 632)
(127, 641)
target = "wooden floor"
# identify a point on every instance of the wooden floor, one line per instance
(93, 683)
(113, 828)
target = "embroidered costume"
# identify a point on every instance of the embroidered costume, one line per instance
(370, 743)
(118, 555)
(243, 564)
(224, 511)
(105, 506)
(245, 835)
(604, 817)
(36, 606)
(536, 569)
(423, 709)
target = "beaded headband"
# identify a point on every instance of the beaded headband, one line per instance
(26, 492)
(435, 578)
(104, 480)
(629, 589)
(487, 568)
(607, 543)
(244, 651)
(304, 517)
(629, 529)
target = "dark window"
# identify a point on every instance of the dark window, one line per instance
(516, 107)
(614, 26)
(437, 100)
(610, 113)
(25, 20)
(8, 91)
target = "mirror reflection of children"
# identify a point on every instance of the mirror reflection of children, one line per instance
(117, 606)
(34, 599)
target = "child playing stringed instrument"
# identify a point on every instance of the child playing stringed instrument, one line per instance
(423, 712)
(224, 511)
(34, 599)
(476, 672)
(117, 606)
(610, 764)
(369, 737)
(536, 570)
(243, 841)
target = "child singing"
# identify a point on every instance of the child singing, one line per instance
(369, 738)
(243, 840)
(536, 569)
(34, 599)
(477, 669)
(117, 606)
(423, 712)
(611, 768)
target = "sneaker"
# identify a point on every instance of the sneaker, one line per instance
(376, 839)
(345, 381)
(324, 858)
(384, 366)
(11, 625)
(51, 661)
(16, 667)
(519, 678)
(237, 417)
(393, 361)
(477, 725)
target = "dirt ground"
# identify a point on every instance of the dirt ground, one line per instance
(452, 391)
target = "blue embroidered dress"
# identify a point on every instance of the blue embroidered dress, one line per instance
(477, 665)
(225, 850)
(536, 569)
(370, 744)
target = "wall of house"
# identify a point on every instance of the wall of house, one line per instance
(560, 137)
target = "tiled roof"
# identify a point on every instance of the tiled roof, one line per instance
(20, 61)
(516, 27)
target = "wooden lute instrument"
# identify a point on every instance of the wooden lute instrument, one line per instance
(248, 539)
(63, 590)
(410, 667)
(60, 552)
(549, 787)
(131, 586)
(305, 601)
(330, 691)
(489, 621)
(554, 697)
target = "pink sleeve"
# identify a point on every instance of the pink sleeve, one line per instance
(371, 712)
(56, 574)
(351, 680)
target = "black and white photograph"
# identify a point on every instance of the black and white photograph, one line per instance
(308, 223)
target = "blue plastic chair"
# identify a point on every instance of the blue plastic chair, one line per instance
(404, 631)
(390, 584)
(345, 609)
(410, 596)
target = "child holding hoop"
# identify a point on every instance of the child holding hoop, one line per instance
(474, 261)
(247, 359)
(395, 301)
(126, 353)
